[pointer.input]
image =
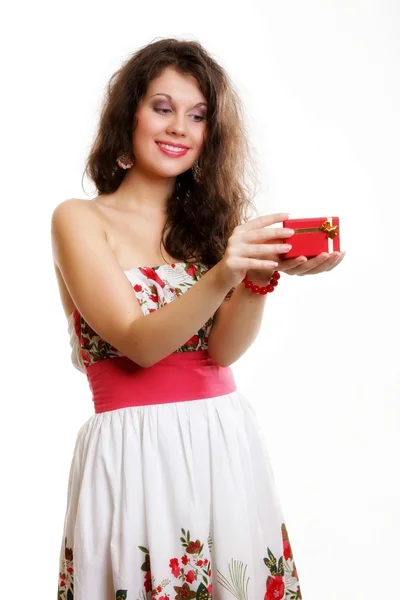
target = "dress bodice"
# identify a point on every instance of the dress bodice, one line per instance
(154, 287)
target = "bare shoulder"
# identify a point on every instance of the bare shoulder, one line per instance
(74, 217)
(68, 208)
(91, 279)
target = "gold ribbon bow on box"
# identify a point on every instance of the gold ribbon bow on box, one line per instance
(326, 227)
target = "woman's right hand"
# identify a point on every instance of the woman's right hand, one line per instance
(253, 247)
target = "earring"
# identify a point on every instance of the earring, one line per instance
(196, 172)
(125, 162)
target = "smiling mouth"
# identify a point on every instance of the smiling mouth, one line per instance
(173, 147)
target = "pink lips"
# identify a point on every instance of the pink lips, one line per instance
(174, 154)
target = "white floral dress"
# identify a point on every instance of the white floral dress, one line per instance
(176, 500)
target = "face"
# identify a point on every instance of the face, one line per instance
(170, 125)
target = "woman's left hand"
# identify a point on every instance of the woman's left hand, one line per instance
(299, 266)
(303, 266)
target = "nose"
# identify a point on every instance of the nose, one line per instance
(177, 125)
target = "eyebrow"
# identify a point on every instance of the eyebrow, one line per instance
(170, 99)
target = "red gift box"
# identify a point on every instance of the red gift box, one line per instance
(313, 236)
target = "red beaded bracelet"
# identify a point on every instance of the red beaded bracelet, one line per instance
(256, 289)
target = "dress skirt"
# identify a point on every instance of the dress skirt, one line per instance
(170, 495)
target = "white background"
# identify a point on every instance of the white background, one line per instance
(321, 86)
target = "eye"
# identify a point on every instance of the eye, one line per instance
(162, 111)
(199, 117)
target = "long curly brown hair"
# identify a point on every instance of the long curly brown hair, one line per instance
(201, 216)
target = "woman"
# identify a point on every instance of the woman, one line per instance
(171, 493)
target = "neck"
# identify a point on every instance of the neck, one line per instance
(143, 191)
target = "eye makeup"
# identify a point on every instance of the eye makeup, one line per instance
(163, 108)
(165, 105)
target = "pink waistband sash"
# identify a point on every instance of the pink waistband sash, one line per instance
(119, 382)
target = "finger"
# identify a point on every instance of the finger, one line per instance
(322, 265)
(321, 269)
(264, 221)
(339, 260)
(311, 264)
(267, 235)
(306, 265)
(288, 265)
(264, 250)
(251, 264)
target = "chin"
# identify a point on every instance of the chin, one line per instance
(162, 169)
(170, 173)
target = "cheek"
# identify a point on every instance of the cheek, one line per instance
(148, 124)
(144, 127)
(143, 136)
(201, 137)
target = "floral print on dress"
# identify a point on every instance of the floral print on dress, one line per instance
(154, 287)
(190, 575)
(291, 577)
(191, 572)
(282, 583)
(194, 574)
(93, 348)
(66, 577)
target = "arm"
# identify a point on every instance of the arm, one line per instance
(238, 321)
(104, 297)
(236, 324)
